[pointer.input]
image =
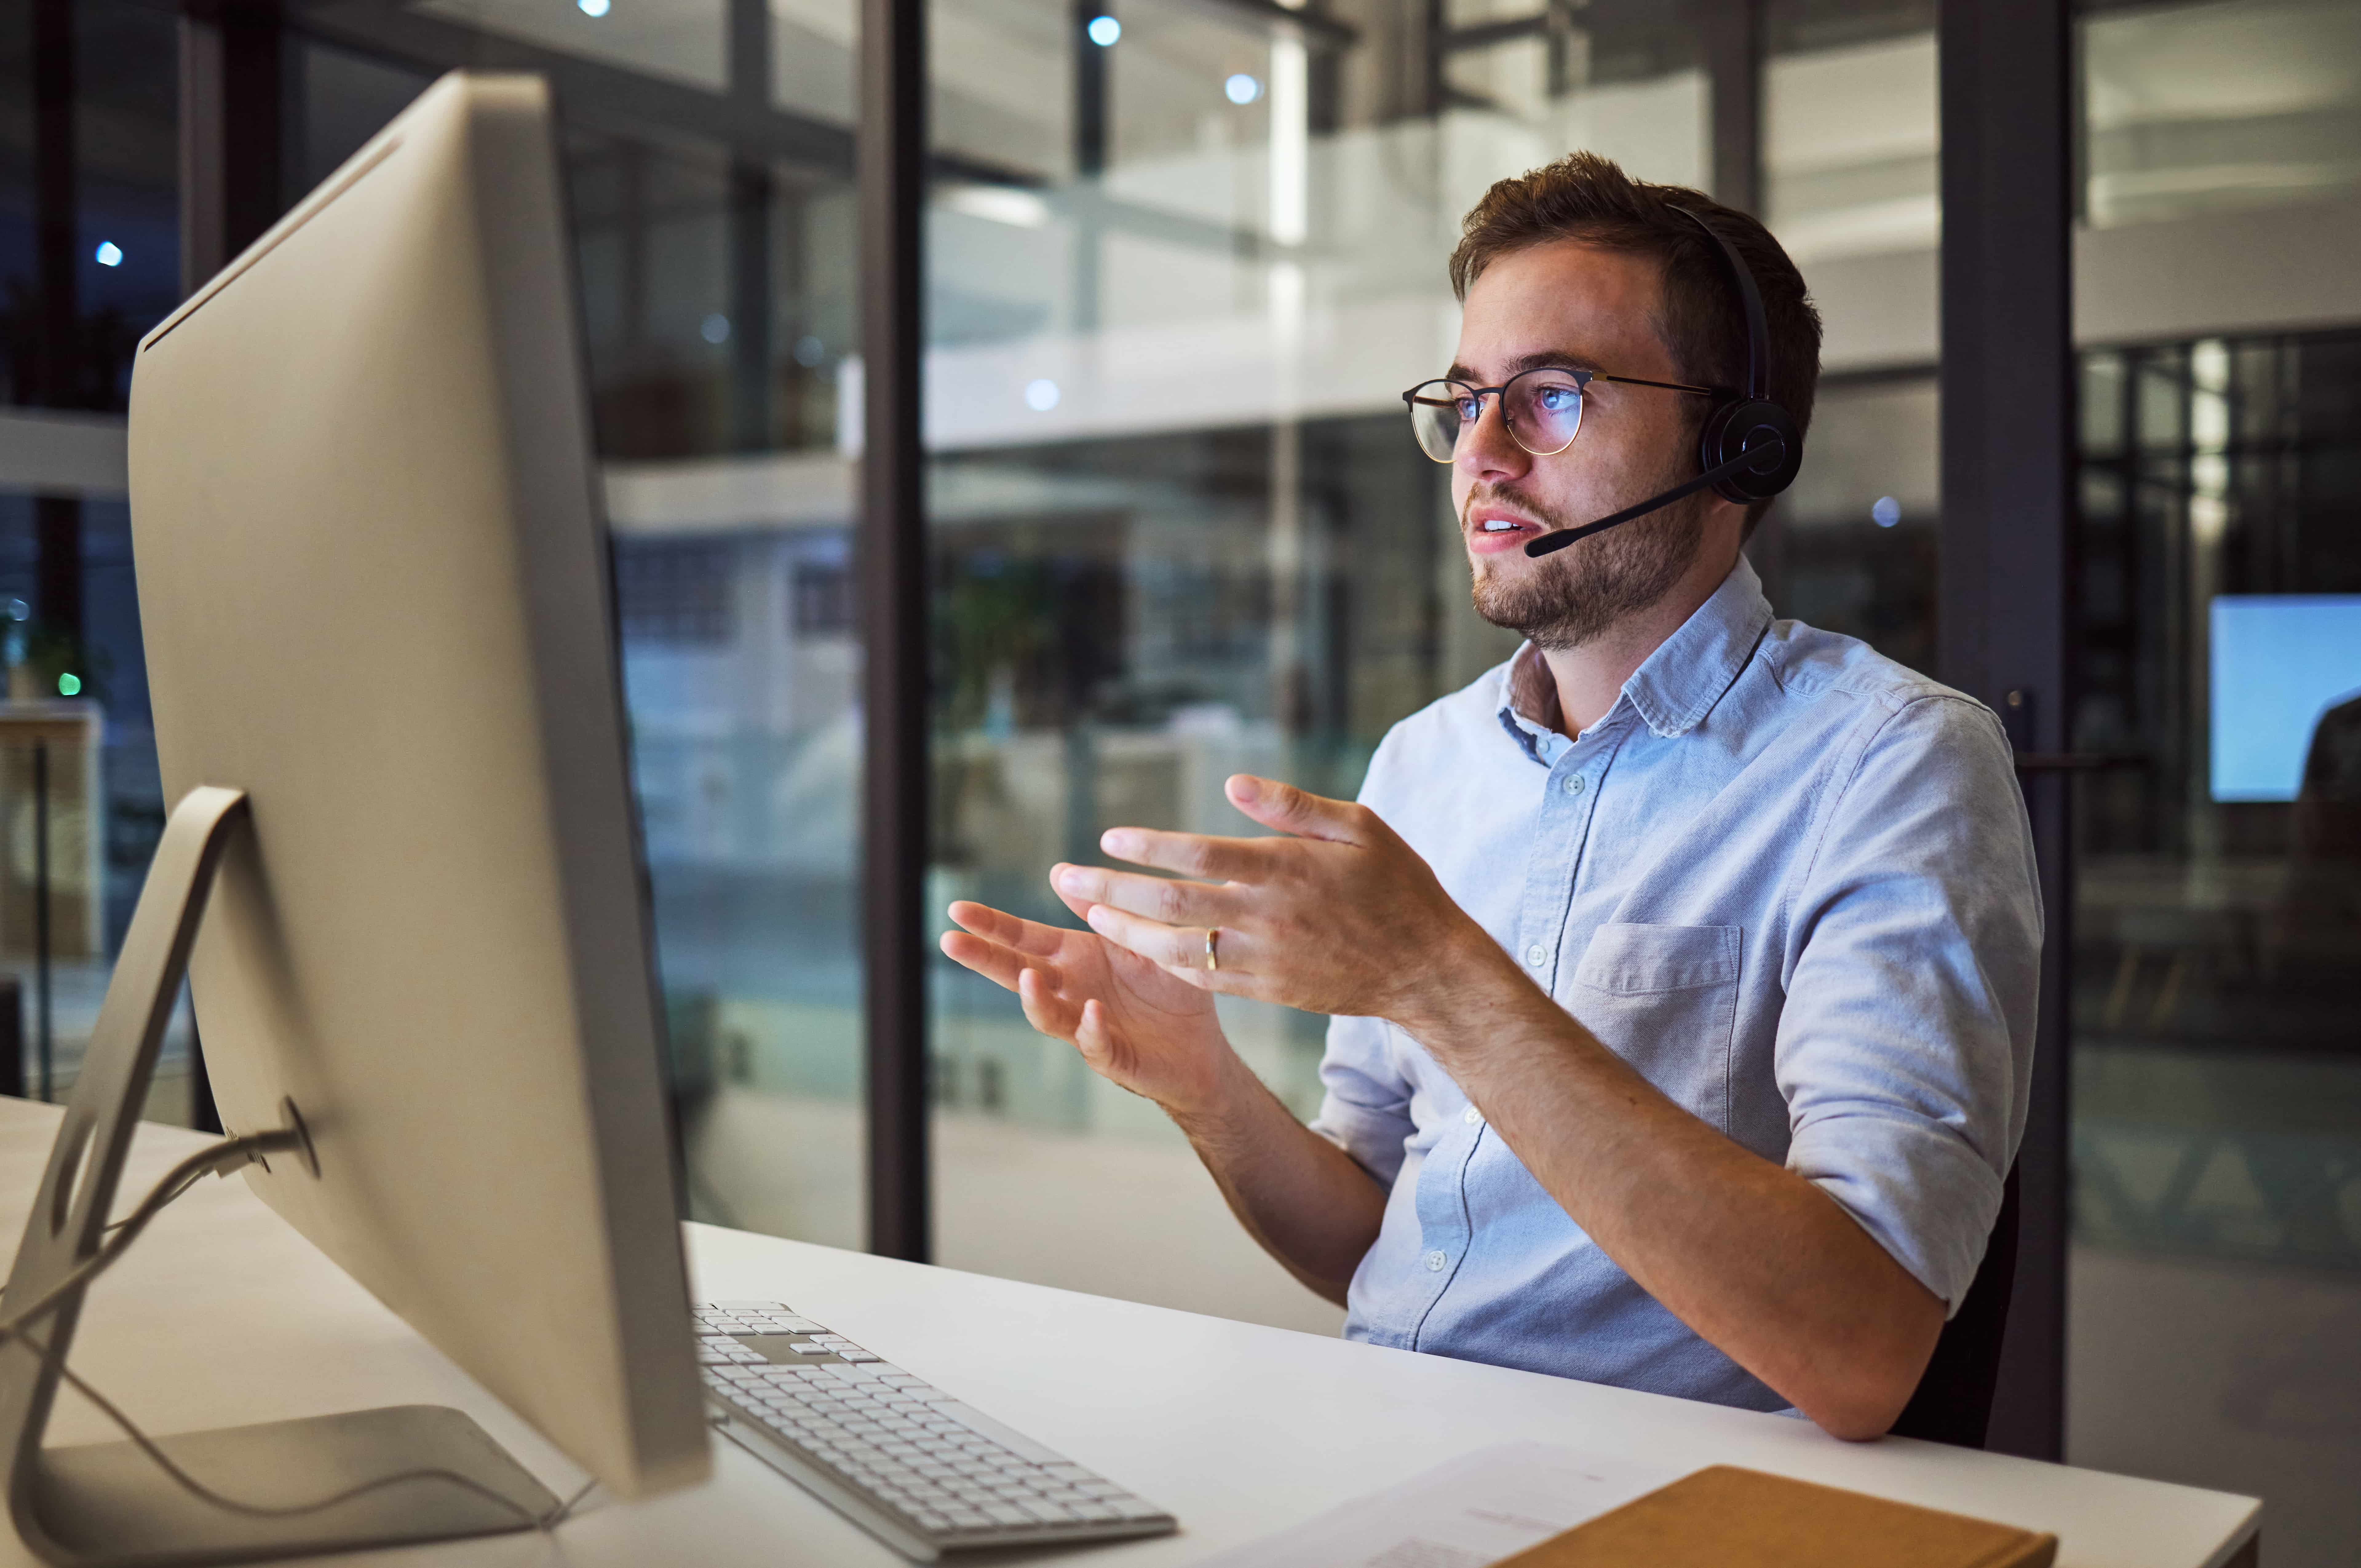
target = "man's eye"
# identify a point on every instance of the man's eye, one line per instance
(1470, 408)
(1557, 399)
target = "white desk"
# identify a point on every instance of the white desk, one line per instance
(222, 1315)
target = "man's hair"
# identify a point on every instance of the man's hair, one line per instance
(1585, 197)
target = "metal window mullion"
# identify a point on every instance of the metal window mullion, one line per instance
(2008, 441)
(1732, 45)
(890, 548)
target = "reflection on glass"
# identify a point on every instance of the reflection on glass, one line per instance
(1179, 527)
(719, 297)
(2217, 923)
(2212, 657)
(1849, 128)
(678, 38)
(1852, 546)
(739, 657)
(88, 812)
(2212, 108)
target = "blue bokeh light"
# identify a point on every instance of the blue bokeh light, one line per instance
(1105, 31)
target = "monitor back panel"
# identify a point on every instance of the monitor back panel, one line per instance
(373, 589)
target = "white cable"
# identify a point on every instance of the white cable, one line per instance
(221, 1159)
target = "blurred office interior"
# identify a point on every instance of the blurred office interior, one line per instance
(1181, 256)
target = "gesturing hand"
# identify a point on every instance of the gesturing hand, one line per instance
(1340, 917)
(1133, 1024)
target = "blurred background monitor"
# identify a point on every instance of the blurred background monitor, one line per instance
(2281, 663)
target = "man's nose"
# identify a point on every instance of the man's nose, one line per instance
(1487, 450)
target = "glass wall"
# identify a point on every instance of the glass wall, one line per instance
(717, 283)
(714, 246)
(2217, 1078)
(1849, 139)
(1850, 128)
(2219, 106)
(1854, 547)
(2216, 1286)
(1178, 531)
(88, 260)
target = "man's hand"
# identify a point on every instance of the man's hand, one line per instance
(1153, 1032)
(1340, 917)
(1132, 1023)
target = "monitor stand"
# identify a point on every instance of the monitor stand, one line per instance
(110, 1504)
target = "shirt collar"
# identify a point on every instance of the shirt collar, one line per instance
(1675, 686)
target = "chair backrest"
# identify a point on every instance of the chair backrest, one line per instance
(1954, 1400)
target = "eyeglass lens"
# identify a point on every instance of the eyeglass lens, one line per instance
(1543, 409)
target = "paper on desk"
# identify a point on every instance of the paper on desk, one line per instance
(1475, 1510)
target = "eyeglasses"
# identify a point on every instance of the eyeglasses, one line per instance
(1542, 407)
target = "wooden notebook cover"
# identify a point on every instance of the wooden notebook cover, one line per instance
(1728, 1517)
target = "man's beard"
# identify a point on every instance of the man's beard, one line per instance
(1582, 590)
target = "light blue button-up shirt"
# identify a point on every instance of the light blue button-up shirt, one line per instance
(1790, 881)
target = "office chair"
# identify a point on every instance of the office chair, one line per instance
(1954, 1400)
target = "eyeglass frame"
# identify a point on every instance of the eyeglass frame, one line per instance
(1582, 379)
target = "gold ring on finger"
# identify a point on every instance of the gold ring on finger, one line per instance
(1213, 958)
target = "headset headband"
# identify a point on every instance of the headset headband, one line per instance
(1758, 327)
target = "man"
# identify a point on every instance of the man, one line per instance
(1682, 968)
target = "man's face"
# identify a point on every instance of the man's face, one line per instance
(1584, 307)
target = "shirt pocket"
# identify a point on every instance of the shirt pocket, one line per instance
(1664, 998)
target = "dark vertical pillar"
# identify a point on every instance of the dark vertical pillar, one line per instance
(2007, 556)
(892, 545)
(65, 382)
(1090, 92)
(233, 134)
(55, 205)
(1732, 32)
(752, 329)
(233, 147)
(1092, 69)
(57, 564)
(631, 218)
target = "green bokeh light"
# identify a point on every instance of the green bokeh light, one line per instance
(69, 684)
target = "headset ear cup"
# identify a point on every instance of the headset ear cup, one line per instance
(1743, 425)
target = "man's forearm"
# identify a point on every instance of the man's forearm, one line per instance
(1756, 1259)
(1307, 1201)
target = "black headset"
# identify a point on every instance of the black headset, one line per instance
(1750, 449)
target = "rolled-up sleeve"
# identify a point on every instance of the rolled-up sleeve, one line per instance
(1904, 1050)
(1366, 1108)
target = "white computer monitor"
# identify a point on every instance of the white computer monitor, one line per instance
(375, 595)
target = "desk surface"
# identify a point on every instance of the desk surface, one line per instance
(222, 1315)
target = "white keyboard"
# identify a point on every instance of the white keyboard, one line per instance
(915, 1467)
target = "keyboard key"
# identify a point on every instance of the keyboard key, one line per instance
(1001, 1513)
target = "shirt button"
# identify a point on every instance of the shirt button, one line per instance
(1536, 955)
(1575, 783)
(1471, 1115)
(1435, 1260)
